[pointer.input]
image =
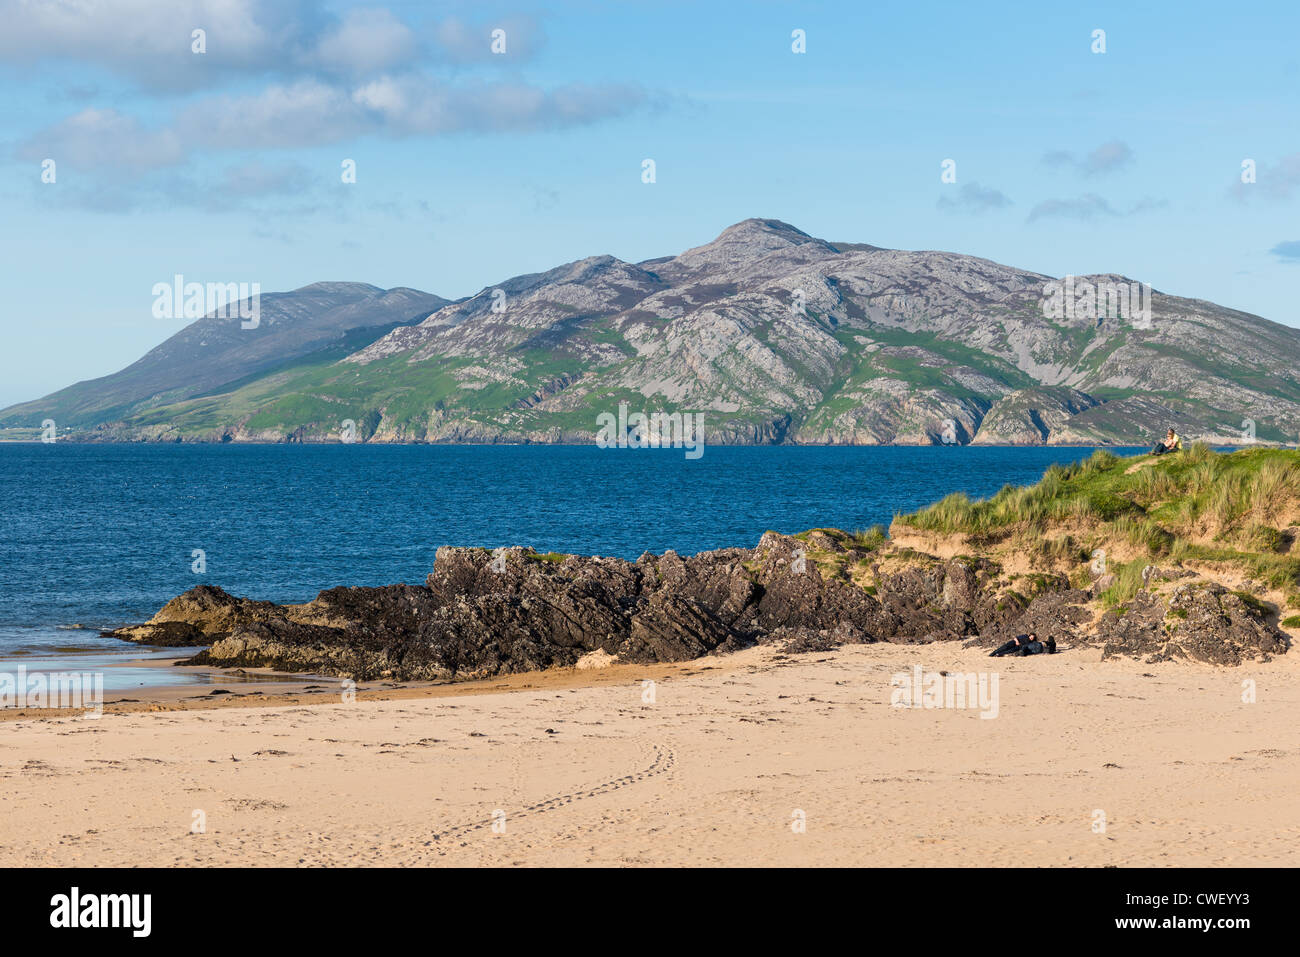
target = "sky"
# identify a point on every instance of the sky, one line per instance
(472, 166)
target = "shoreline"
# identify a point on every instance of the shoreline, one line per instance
(248, 687)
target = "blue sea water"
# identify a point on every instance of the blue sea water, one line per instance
(96, 536)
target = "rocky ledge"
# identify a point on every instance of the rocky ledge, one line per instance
(481, 614)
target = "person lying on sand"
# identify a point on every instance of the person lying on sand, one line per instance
(1172, 442)
(1022, 645)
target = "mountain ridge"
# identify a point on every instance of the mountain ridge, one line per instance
(772, 334)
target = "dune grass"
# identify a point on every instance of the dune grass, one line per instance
(1236, 508)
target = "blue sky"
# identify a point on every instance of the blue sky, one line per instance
(473, 166)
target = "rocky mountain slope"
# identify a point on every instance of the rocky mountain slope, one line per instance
(774, 335)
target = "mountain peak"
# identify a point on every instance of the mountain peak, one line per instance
(739, 247)
(339, 288)
(765, 230)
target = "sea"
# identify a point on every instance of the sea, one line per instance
(94, 536)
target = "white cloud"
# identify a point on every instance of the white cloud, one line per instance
(1106, 158)
(306, 113)
(972, 197)
(1088, 207)
(368, 41)
(105, 138)
(1287, 252)
(462, 42)
(1274, 181)
(149, 41)
(305, 78)
(418, 106)
(312, 113)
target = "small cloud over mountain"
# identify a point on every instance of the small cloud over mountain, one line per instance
(1106, 158)
(974, 198)
(1273, 181)
(1287, 252)
(1088, 207)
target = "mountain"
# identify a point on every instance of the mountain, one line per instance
(773, 335)
(211, 353)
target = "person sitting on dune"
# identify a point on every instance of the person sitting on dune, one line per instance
(1173, 442)
(1022, 645)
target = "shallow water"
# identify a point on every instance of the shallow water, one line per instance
(118, 671)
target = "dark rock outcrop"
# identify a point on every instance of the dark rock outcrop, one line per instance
(1056, 610)
(1202, 622)
(482, 613)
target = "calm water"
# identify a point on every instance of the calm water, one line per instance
(101, 535)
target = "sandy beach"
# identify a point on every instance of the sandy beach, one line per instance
(749, 759)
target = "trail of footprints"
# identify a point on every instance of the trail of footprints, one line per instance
(664, 759)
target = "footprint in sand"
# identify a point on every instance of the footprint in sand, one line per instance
(664, 759)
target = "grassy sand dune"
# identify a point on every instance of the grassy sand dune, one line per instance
(1107, 522)
(1237, 511)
